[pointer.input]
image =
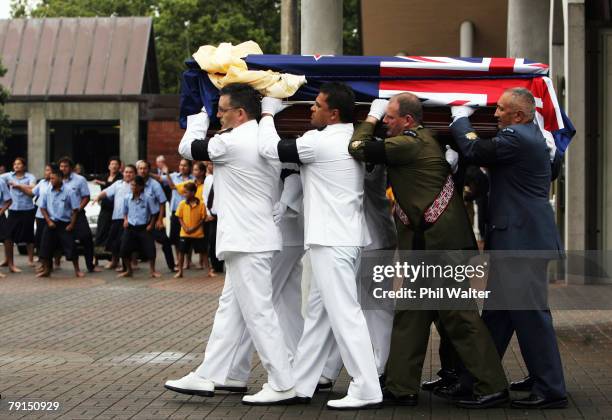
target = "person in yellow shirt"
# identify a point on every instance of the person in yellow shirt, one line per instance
(199, 173)
(191, 213)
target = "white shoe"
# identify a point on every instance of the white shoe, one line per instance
(352, 403)
(192, 384)
(232, 385)
(268, 396)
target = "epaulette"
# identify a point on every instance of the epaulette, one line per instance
(227, 130)
(508, 130)
(410, 133)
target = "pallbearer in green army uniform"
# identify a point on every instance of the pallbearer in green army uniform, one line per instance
(429, 216)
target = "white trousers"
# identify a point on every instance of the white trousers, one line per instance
(380, 321)
(334, 315)
(245, 308)
(380, 324)
(287, 299)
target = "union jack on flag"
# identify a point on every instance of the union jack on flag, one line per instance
(437, 81)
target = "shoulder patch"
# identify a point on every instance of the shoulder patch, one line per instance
(471, 135)
(508, 130)
(410, 133)
(356, 144)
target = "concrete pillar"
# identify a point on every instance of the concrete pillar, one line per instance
(128, 131)
(575, 183)
(290, 31)
(38, 140)
(321, 27)
(466, 39)
(528, 23)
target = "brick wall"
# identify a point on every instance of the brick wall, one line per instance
(163, 138)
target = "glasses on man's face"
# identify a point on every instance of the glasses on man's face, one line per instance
(224, 110)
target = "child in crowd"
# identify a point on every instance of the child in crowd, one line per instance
(191, 213)
(140, 214)
(59, 207)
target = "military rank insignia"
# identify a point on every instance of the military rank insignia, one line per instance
(410, 133)
(471, 135)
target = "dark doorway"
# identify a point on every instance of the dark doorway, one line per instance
(15, 145)
(89, 143)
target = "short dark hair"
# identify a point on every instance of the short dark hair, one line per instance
(190, 186)
(67, 160)
(188, 162)
(341, 97)
(140, 181)
(22, 160)
(201, 165)
(409, 103)
(115, 158)
(243, 96)
(131, 166)
(55, 170)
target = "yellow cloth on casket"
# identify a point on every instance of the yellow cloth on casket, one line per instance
(224, 65)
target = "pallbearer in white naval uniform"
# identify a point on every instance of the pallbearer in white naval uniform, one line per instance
(335, 233)
(378, 314)
(286, 272)
(247, 237)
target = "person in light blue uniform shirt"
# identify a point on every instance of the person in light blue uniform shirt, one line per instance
(117, 192)
(183, 175)
(155, 190)
(82, 231)
(37, 192)
(59, 207)
(5, 202)
(139, 216)
(20, 223)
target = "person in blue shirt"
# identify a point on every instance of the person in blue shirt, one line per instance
(59, 206)
(20, 223)
(154, 189)
(82, 231)
(140, 215)
(37, 192)
(5, 202)
(183, 175)
(117, 193)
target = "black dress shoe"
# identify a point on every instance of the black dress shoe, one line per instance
(301, 400)
(534, 401)
(324, 387)
(409, 400)
(485, 401)
(524, 384)
(453, 392)
(447, 378)
(237, 389)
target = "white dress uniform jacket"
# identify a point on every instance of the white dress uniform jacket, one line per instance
(332, 181)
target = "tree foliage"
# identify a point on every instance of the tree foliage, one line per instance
(181, 26)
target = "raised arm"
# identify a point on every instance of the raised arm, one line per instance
(193, 145)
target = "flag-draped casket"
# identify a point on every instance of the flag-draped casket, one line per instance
(439, 82)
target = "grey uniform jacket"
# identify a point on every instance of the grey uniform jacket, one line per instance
(520, 173)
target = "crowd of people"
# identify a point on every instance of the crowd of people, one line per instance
(323, 194)
(49, 216)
